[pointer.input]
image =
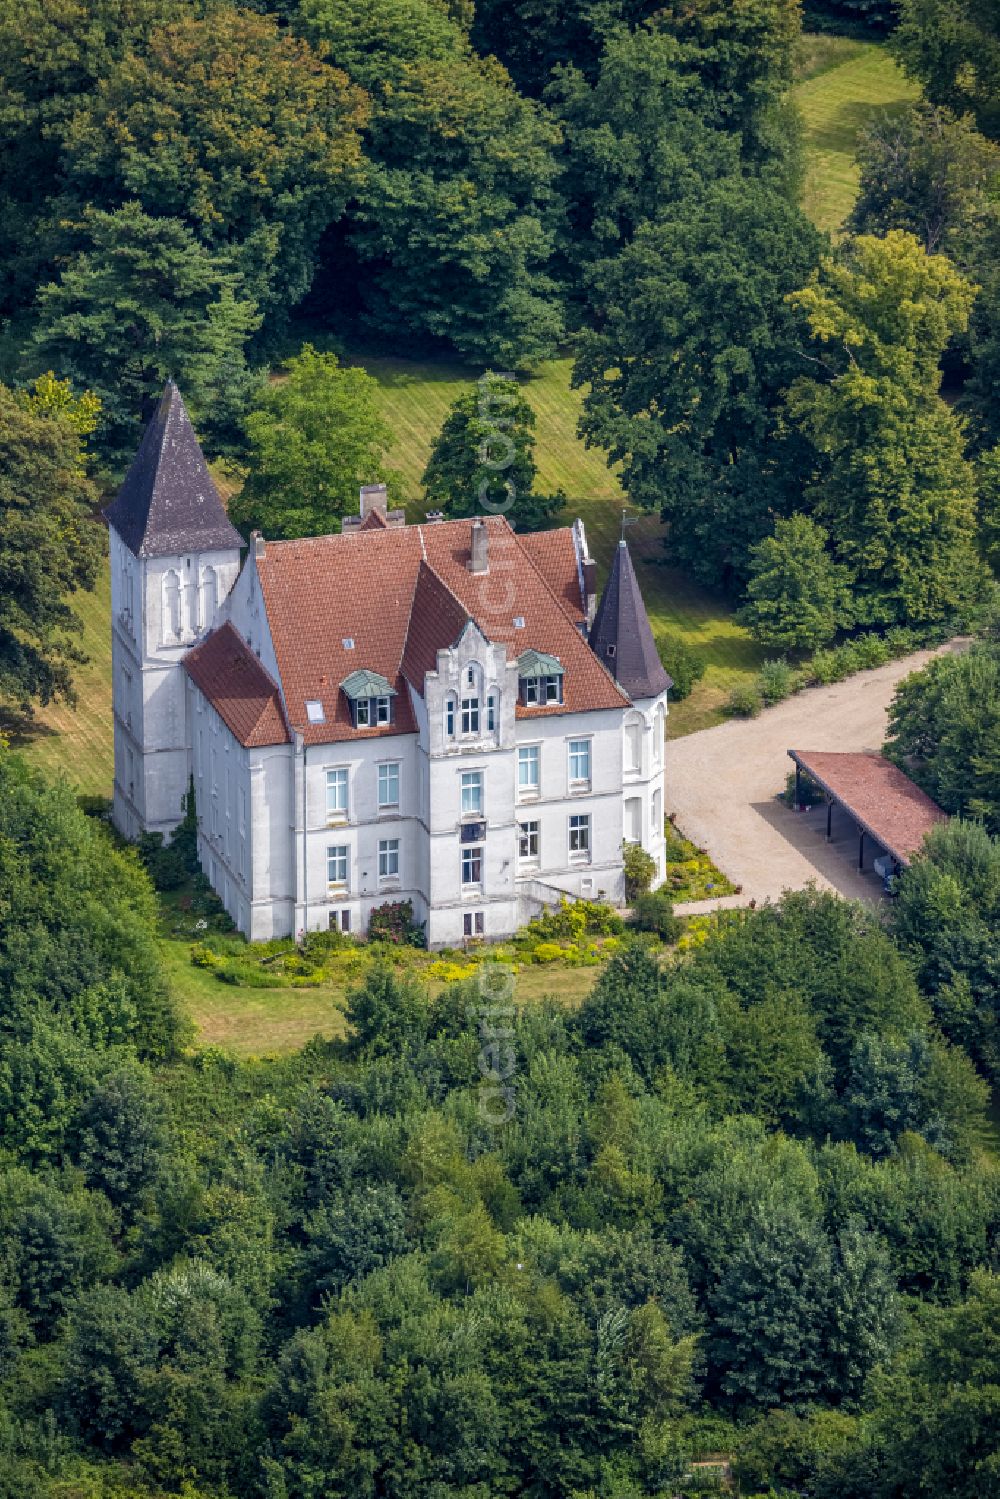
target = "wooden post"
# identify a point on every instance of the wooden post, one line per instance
(798, 786)
(861, 850)
(829, 818)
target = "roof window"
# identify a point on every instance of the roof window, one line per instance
(314, 711)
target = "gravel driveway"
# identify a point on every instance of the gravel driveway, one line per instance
(721, 786)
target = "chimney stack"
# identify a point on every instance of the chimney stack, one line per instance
(374, 497)
(479, 557)
(258, 544)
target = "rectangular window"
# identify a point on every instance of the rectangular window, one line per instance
(388, 858)
(363, 712)
(474, 923)
(388, 786)
(579, 835)
(491, 713)
(336, 864)
(383, 710)
(449, 718)
(472, 865)
(531, 691)
(470, 715)
(579, 762)
(553, 689)
(314, 711)
(527, 840)
(472, 793)
(340, 921)
(336, 794)
(528, 757)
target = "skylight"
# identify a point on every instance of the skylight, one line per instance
(519, 622)
(348, 642)
(314, 711)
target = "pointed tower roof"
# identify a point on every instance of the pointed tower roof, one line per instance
(168, 502)
(621, 637)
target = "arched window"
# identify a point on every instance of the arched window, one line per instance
(209, 595)
(659, 732)
(171, 605)
(633, 744)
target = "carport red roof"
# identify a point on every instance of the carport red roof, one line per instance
(877, 794)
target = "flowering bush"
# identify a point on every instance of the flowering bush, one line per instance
(394, 923)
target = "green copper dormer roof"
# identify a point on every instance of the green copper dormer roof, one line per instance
(365, 683)
(534, 663)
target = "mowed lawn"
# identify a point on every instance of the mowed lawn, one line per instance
(844, 84)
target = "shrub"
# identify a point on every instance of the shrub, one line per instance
(640, 868)
(809, 793)
(871, 650)
(827, 667)
(394, 923)
(653, 912)
(776, 680)
(744, 701)
(685, 665)
(547, 952)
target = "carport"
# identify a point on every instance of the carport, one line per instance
(887, 807)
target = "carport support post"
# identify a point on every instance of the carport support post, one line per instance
(798, 786)
(829, 818)
(861, 849)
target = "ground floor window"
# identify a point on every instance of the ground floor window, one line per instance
(579, 835)
(340, 921)
(472, 865)
(474, 923)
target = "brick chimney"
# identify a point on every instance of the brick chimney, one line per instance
(479, 556)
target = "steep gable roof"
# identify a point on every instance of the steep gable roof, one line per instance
(399, 595)
(554, 554)
(246, 698)
(621, 636)
(169, 503)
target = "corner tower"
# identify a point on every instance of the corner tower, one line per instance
(622, 640)
(174, 558)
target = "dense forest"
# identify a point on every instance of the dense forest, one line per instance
(741, 1201)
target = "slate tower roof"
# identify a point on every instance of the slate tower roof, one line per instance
(169, 503)
(621, 637)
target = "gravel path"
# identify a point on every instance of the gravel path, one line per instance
(722, 783)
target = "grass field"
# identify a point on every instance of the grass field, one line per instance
(843, 84)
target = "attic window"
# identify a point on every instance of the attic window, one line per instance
(314, 711)
(611, 652)
(541, 679)
(519, 622)
(348, 642)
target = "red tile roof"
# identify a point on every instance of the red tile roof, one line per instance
(243, 694)
(877, 794)
(554, 554)
(398, 593)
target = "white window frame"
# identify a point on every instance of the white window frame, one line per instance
(338, 857)
(388, 771)
(472, 852)
(449, 718)
(472, 781)
(340, 776)
(553, 690)
(491, 712)
(383, 710)
(388, 859)
(363, 713)
(470, 715)
(528, 833)
(529, 754)
(577, 751)
(474, 923)
(579, 840)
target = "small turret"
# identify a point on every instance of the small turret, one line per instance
(621, 636)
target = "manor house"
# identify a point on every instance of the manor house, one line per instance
(441, 713)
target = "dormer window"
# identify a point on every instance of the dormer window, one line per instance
(370, 696)
(540, 678)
